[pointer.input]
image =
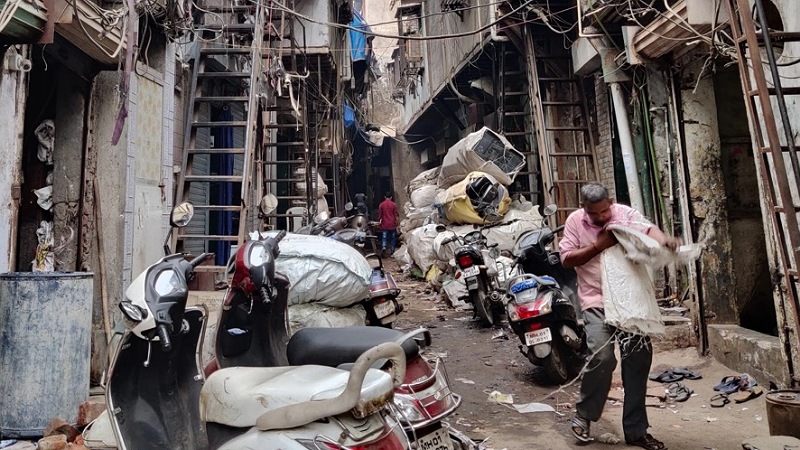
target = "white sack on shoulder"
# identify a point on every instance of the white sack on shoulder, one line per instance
(628, 292)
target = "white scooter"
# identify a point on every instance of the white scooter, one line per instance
(159, 398)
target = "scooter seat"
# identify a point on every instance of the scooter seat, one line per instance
(238, 396)
(335, 346)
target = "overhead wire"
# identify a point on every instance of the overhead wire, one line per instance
(413, 38)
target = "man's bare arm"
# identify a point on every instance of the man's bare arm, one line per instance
(663, 239)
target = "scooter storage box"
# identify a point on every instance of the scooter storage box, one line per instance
(525, 291)
(382, 284)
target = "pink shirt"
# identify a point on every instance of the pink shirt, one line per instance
(579, 232)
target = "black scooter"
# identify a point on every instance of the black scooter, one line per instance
(477, 261)
(543, 307)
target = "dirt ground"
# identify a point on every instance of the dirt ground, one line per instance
(480, 361)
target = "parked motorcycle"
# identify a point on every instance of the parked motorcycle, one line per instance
(159, 399)
(478, 265)
(382, 306)
(252, 332)
(543, 305)
(424, 399)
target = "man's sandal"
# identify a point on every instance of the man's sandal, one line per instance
(719, 400)
(648, 442)
(580, 429)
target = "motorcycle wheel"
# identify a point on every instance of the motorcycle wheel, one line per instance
(482, 304)
(557, 364)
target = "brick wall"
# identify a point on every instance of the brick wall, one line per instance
(603, 149)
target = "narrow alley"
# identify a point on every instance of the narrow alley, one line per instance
(227, 224)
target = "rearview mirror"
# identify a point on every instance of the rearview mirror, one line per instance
(348, 206)
(550, 209)
(181, 214)
(268, 204)
(322, 217)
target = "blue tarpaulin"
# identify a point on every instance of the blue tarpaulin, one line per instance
(349, 116)
(358, 40)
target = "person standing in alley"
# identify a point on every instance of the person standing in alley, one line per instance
(388, 215)
(585, 237)
(361, 203)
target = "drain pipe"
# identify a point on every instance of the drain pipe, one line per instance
(613, 76)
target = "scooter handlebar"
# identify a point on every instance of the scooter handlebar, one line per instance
(199, 260)
(163, 336)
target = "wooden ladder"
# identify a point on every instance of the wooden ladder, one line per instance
(564, 141)
(775, 178)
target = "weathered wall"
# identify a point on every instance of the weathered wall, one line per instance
(405, 166)
(112, 171)
(148, 203)
(744, 211)
(13, 92)
(68, 167)
(310, 34)
(603, 147)
(706, 190)
(443, 57)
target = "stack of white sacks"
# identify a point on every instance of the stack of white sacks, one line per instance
(440, 207)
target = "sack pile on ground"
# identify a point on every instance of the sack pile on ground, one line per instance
(470, 189)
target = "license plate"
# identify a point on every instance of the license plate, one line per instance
(471, 271)
(438, 440)
(383, 309)
(538, 337)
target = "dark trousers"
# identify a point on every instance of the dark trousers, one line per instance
(637, 355)
(389, 240)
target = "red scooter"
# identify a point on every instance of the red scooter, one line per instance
(382, 306)
(252, 332)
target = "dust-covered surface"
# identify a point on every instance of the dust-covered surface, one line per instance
(480, 361)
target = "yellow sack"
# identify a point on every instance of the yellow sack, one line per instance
(459, 208)
(432, 273)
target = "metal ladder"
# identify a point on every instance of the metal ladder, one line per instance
(286, 126)
(223, 197)
(566, 151)
(515, 119)
(774, 175)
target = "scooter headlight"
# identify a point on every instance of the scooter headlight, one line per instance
(167, 282)
(132, 312)
(257, 255)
